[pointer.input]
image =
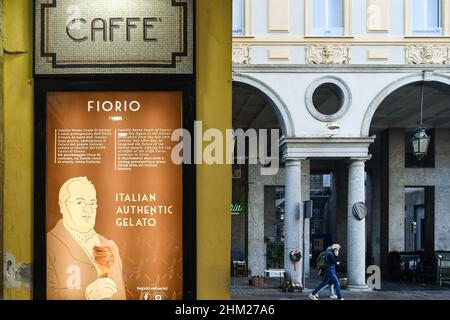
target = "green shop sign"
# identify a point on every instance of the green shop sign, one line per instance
(236, 209)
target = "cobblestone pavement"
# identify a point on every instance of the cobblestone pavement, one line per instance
(241, 290)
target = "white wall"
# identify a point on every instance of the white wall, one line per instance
(359, 20)
(362, 39)
(292, 87)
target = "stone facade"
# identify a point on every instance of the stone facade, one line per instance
(256, 203)
(401, 177)
(376, 58)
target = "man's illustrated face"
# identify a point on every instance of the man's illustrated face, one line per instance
(80, 209)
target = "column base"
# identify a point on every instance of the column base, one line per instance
(358, 288)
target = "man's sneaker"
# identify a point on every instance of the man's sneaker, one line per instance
(333, 296)
(341, 299)
(313, 296)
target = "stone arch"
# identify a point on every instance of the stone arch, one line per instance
(279, 107)
(376, 102)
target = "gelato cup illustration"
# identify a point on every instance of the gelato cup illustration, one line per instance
(104, 258)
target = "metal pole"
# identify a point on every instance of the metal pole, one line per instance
(303, 256)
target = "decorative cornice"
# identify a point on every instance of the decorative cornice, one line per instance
(399, 42)
(427, 54)
(328, 54)
(241, 54)
(319, 140)
(340, 147)
(339, 68)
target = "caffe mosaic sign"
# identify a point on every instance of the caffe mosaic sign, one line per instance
(113, 36)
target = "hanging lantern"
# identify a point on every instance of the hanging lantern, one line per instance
(420, 142)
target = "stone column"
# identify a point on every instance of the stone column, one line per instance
(293, 219)
(356, 229)
(306, 239)
(306, 227)
(256, 248)
(397, 183)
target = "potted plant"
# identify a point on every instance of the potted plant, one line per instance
(287, 286)
(298, 287)
(275, 254)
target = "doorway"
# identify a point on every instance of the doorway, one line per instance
(323, 213)
(419, 219)
(274, 199)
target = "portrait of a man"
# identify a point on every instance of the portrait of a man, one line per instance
(81, 264)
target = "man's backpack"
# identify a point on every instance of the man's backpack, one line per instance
(321, 265)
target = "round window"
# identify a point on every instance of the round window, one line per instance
(327, 99)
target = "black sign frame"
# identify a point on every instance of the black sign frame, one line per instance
(183, 84)
(175, 55)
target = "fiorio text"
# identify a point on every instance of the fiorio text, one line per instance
(113, 106)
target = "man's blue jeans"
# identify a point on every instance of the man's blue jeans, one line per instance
(330, 275)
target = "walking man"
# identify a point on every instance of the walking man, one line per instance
(331, 262)
(322, 268)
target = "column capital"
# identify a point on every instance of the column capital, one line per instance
(356, 160)
(290, 162)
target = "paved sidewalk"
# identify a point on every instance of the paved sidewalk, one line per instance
(241, 290)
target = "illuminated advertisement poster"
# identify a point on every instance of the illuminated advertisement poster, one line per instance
(114, 197)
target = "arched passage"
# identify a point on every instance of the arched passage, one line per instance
(408, 198)
(391, 88)
(258, 200)
(279, 108)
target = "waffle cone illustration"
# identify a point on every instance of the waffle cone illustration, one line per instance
(104, 258)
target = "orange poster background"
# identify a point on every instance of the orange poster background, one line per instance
(151, 256)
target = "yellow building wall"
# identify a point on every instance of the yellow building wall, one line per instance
(213, 108)
(18, 136)
(214, 181)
